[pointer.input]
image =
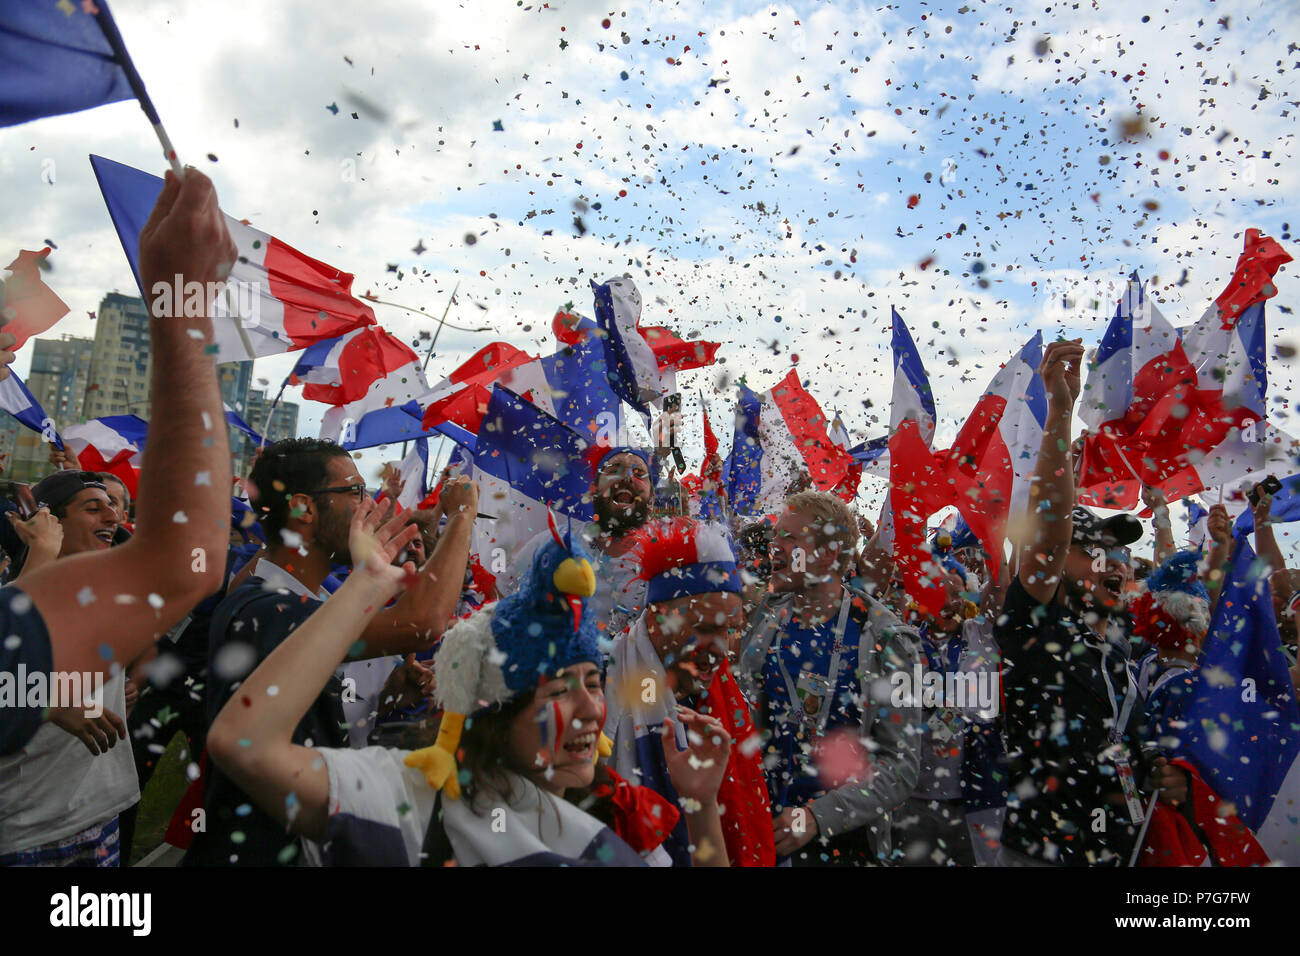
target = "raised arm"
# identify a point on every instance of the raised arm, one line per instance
(1154, 499)
(420, 615)
(252, 738)
(1219, 529)
(1266, 545)
(124, 598)
(1051, 491)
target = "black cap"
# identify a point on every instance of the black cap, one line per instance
(1115, 531)
(62, 486)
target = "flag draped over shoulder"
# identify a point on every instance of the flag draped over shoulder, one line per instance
(55, 59)
(276, 299)
(1242, 730)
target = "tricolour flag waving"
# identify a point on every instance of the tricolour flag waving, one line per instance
(912, 416)
(631, 365)
(54, 59)
(462, 397)
(1243, 725)
(1183, 413)
(114, 443)
(984, 475)
(368, 372)
(524, 460)
(1138, 378)
(780, 443)
(276, 299)
(19, 402)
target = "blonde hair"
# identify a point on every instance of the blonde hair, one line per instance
(832, 523)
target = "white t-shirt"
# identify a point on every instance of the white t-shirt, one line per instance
(54, 787)
(361, 697)
(380, 809)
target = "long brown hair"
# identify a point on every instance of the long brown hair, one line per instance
(485, 750)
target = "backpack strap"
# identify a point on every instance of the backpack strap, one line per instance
(437, 845)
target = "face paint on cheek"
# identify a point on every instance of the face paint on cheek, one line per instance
(557, 722)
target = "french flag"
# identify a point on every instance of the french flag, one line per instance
(1182, 413)
(1243, 725)
(524, 460)
(633, 369)
(462, 397)
(1228, 347)
(364, 373)
(984, 475)
(54, 59)
(778, 437)
(848, 486)
(18, 402)
(276, 299)
(1138, 375)
(999, 444)
(570, 385)
(912, 398)
(114, 444)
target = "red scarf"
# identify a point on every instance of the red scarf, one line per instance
(746, 810)
(642, 818)
(1172, 841)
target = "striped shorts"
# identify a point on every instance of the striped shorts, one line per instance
(93, 846)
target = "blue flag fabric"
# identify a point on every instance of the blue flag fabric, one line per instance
(1285, 507)
(1243, 724)
(537, 455)
(54, 59)
(580, 385)
(742, 472)
(18, 402)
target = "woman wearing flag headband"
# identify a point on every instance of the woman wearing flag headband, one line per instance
(521, 689)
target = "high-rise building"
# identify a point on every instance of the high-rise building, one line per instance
(59, 376)
(119, 370)
(283, 424)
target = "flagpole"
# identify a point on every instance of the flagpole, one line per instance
(438, 331)
(118, 45)
(411, 308)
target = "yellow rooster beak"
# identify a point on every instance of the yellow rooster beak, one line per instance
(575, 576)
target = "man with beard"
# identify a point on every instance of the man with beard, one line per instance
(305, 492)
(621, 494)
(817, 661)
(1073, 713)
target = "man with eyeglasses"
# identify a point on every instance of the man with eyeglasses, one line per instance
(305, 492)
(621, 494)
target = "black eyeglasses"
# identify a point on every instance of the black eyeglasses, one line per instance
(358, 491)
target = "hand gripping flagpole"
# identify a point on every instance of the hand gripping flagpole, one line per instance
(118, 45)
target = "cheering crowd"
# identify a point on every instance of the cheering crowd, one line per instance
(648, 688)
